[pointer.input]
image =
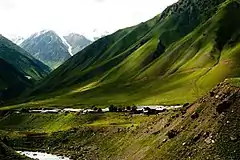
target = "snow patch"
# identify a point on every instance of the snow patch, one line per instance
(39, 33)
(28, 77)
(67, 44)
(61, 37)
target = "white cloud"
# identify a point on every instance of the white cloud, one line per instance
(24, 17)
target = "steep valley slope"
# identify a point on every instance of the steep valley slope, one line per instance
(189, 48)
(12, 82)
(18, 70)
(188, 53)
(22, 60)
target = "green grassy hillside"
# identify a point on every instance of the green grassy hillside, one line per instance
(22, 60)
(173, 58)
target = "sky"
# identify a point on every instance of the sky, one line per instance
(87, 17)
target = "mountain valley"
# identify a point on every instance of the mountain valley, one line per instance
(167, 88)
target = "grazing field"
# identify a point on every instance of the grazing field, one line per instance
(207, 129)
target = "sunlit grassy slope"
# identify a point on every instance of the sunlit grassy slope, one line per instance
(173, 58)
(48, 123)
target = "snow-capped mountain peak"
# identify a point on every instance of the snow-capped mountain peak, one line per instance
(37, 34)
(53, 49)
(48, 47)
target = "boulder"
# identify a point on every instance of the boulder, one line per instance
(172, 133)
(211, 94)
(223, 107)
(194, 115)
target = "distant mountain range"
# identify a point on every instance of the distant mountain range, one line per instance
(53, 49)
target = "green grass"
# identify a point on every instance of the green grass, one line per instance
(234, 81)
(125, 67)
(116, 136)
(48, 123)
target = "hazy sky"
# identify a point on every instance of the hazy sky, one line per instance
(88, 17)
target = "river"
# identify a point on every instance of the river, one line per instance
(42, 156)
